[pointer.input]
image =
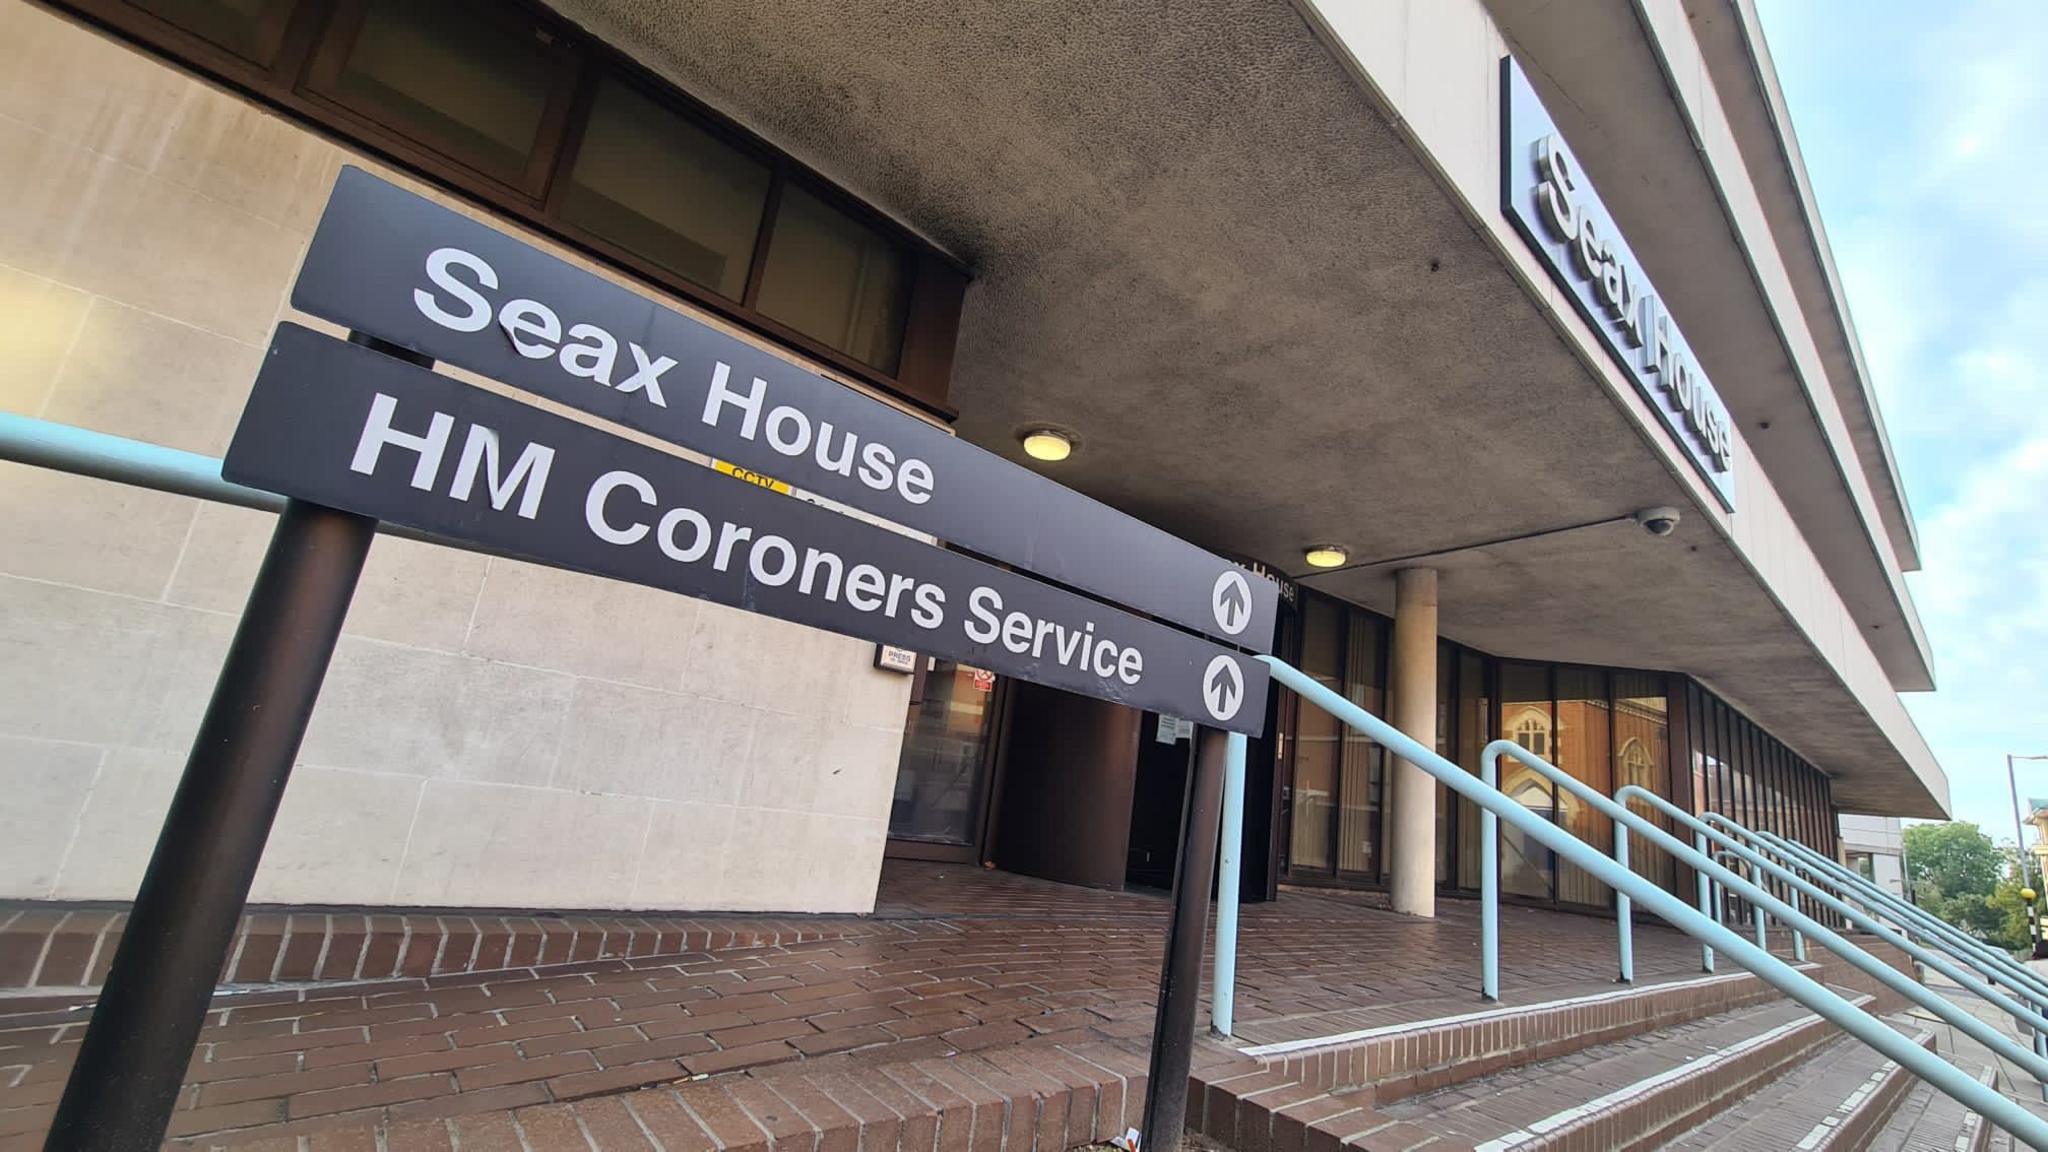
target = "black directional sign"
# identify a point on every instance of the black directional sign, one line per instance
(404, 269)
(351, 428)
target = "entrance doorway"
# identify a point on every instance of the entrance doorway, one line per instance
(1164, 747)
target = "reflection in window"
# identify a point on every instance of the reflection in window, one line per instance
(1583, 731)
(1525, 865)
(658, 186)
(458, 75)
(1642, 739)
(835, 280)
(944, 763)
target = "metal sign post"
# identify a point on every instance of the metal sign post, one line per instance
(1180, 978)
(176, 940)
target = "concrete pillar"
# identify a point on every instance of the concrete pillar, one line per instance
(1412, 856)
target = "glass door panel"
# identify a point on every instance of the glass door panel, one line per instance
(943, 771)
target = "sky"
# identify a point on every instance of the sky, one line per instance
(1925, 133)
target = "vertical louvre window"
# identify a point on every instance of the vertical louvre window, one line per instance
(1362, 781)
(1318, 738)
(658, 186)
(466, 78)
(250, 29)
(835, 280)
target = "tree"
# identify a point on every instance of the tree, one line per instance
(1944, 861)
(2010, 910)
(1959, 875)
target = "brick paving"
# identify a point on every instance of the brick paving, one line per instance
(964, 990)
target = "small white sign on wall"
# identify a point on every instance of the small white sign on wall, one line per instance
(1173, 729)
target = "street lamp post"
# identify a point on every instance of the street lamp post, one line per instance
(2020, 843)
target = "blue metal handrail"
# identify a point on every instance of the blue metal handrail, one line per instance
(1992, 962)
(103, 456)
(1937, 1072)
(1869, 965)
(1962, 1020)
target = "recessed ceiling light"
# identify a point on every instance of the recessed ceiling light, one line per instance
(1326, 556)
(1048, 444)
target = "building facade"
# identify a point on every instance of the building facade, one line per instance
(1456, 328)
(1876, 847)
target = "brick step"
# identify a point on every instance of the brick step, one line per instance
(1628, 1094)
(1838, 1101)
(1272, 1098)
(1047, 1095)
(1929, 1121)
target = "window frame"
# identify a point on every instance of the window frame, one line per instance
(285, 82)
(319, 79)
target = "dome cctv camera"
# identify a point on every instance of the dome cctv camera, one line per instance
(1658, 521)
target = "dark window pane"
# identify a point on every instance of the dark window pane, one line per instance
(1317, 739)
(835, 280)
(1475, 731)
(457, 75)
(248, 28)
(665, 190)
(1446, 747)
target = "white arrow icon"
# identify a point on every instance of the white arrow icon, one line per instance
(1231, 601)
(1222, 688)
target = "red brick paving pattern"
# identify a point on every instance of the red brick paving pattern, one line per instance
(1015, 980)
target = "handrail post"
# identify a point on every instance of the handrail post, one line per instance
(1489, 885)
(1223, 996)
(1706, 902)
(1623, 917)
(1798, 937)
(1763, 938)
